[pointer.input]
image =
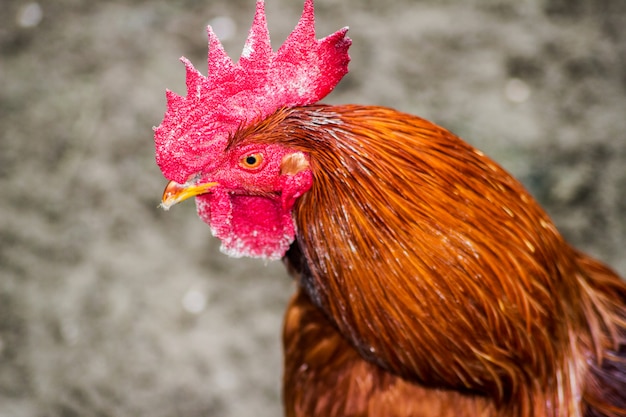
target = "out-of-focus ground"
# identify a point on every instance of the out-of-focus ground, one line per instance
(111, 307)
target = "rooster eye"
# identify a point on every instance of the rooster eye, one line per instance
(252, 161)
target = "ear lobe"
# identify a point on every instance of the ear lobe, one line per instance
(294, 163)
(295, 186)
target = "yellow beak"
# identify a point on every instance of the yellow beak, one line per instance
(174, 192)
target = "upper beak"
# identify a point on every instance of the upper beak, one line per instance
(174, 192)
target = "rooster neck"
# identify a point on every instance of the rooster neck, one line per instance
(298, 267)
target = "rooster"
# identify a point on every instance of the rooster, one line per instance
(430, 283)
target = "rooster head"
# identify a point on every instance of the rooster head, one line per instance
(246, 191)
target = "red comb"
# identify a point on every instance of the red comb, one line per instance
(302, 71)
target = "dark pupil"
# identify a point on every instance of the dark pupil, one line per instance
(251, 160)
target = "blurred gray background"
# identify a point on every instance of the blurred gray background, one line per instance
(111, 307)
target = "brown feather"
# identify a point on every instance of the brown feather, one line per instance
(439, 269)
(325, 376)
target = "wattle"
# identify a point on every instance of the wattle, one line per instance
(254, 226)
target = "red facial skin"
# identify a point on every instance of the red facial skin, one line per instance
(250, 210)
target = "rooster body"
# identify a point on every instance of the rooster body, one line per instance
(524, 329)
(430, 283)
(469, 289)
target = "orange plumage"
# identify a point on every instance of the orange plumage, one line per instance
(432, 281)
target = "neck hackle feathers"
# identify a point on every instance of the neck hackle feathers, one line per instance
(303, 71)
